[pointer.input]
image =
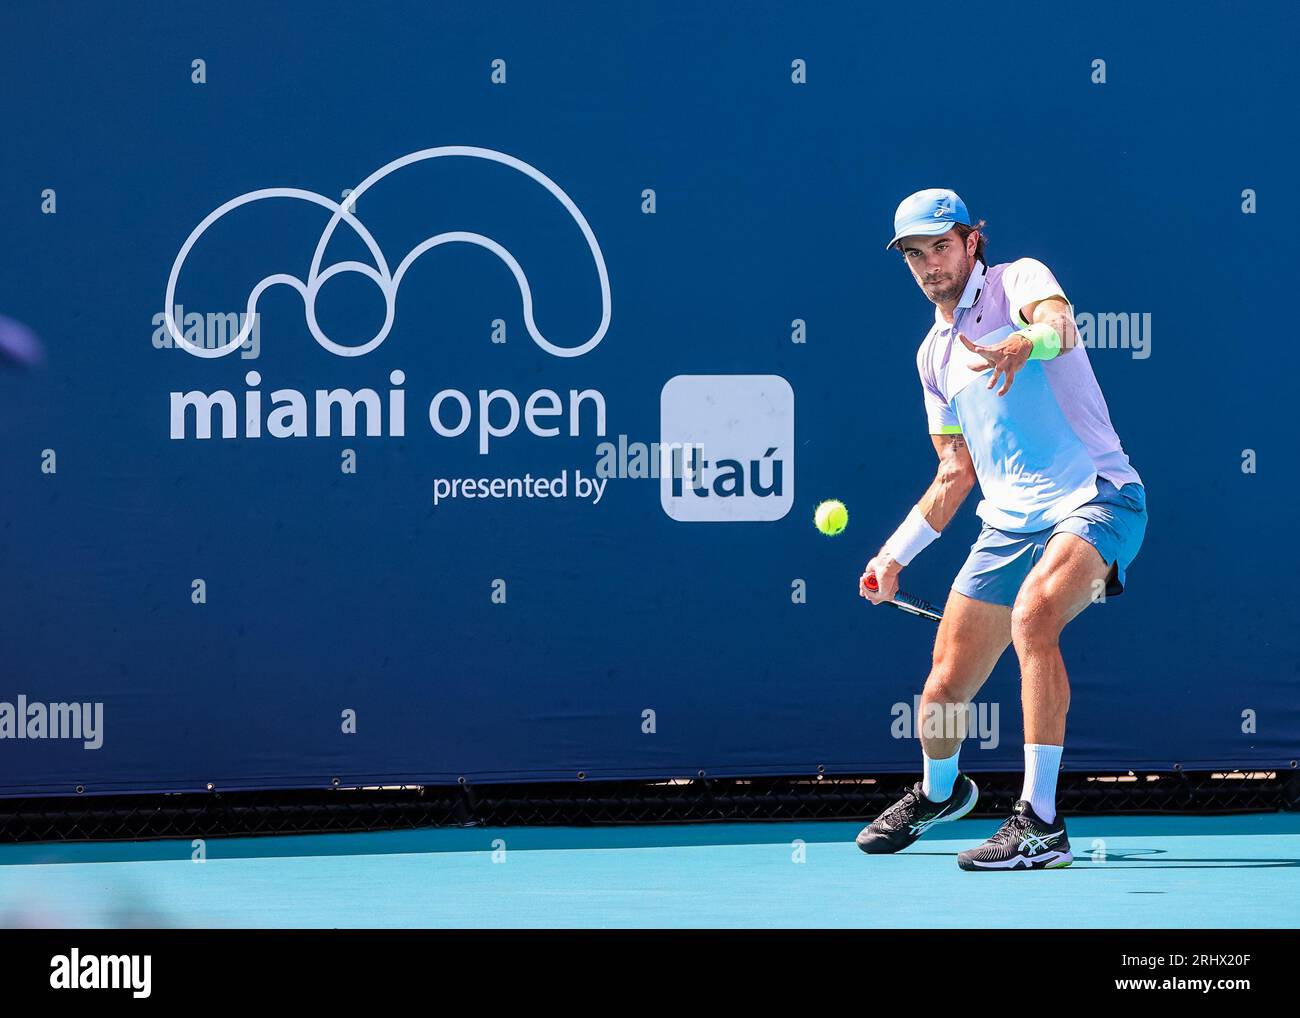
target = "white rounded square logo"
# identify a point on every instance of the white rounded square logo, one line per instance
(727, 443)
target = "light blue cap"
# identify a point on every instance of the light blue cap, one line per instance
(928, 213)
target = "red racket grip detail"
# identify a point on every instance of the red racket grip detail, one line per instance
(872, 584)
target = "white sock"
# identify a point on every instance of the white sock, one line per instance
(1042, 764)
(936, 785)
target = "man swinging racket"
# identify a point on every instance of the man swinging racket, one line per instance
(1012, 403)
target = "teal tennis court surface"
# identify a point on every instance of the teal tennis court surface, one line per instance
(1129, 872)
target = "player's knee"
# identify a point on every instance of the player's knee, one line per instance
(943, 686)
(1035, 621)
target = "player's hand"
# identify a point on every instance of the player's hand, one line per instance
(886, 570)
(1005, 358)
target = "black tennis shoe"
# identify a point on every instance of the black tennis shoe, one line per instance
(1024, 842)
(910, 817)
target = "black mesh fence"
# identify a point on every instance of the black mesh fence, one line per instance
(587, 803)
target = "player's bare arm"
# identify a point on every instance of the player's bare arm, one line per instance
(953, 481)
(1056, 312)
(1012, 354)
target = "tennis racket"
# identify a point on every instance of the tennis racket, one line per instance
(908, 603)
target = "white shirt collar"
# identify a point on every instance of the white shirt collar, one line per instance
(974, 287)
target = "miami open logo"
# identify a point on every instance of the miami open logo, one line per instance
(386, 278)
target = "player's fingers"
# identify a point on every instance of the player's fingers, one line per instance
(983, 365)
(997, 373)
(1006, 386)
(968, 344)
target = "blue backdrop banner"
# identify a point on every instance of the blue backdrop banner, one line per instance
(445, 390)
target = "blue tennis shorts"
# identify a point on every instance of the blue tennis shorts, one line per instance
(1114, 523)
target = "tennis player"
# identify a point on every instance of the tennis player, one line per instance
(1012, 403)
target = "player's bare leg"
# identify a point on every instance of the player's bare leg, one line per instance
(1057, 589)
(971, 638)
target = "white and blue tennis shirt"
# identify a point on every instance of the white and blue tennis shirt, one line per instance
(1038, 450)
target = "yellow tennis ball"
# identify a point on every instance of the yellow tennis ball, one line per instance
(831, 517)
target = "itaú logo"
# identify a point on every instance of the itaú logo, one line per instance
(387, 279)
(733, 442)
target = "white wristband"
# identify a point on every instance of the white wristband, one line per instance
(910, 539)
